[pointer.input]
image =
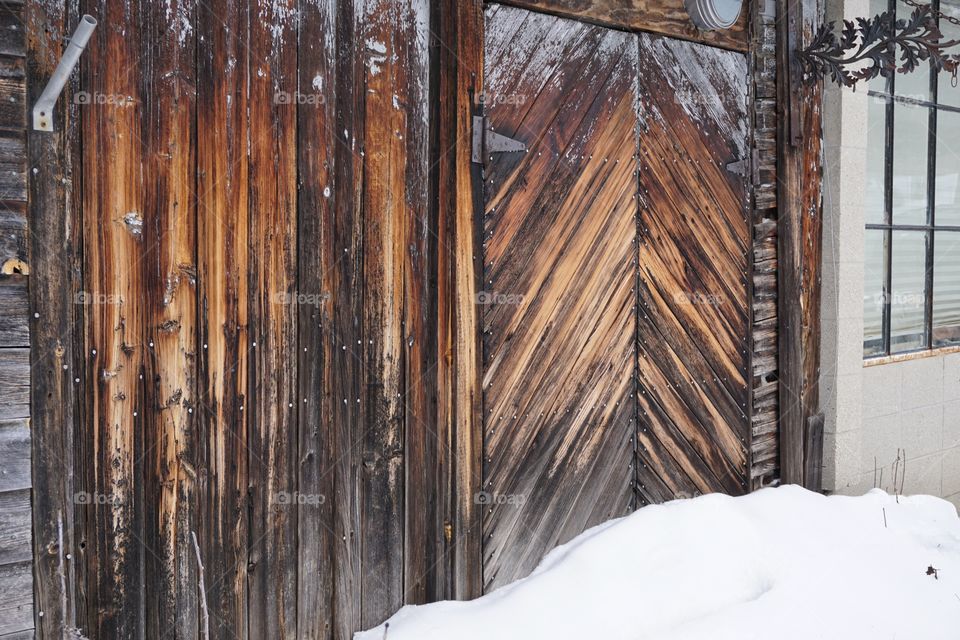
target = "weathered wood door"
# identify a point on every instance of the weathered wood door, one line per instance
(615, 314)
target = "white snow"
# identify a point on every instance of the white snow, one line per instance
(780, 563)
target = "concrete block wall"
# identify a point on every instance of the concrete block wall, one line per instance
(890, 419)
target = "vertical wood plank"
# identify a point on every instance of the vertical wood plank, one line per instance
(420, 551)
(113, 205)
(316, 142)
(169, 274)
(458, 331)
(272, 450)
(52, 236)
(223, 240)
(344, 277)
(394, 199)
(799, 238)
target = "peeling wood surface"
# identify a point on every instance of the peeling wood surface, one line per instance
(666, 17)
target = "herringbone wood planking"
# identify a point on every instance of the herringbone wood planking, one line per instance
(559, 235)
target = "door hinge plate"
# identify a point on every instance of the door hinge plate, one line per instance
(487, 141)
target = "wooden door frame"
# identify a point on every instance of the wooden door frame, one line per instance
(460, 421)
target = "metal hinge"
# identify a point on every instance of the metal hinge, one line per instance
(742, 167)
(487, 141)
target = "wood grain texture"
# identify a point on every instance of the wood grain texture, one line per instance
(667, 17)
(558, 298)
(459, 272)
(694, 319)
(113, 214)
(170, 317)
(223, 238)
(394, 202)
(15, 387)
(15, 455)
(16, 598)
(272, 444)
(53, 242)
(799, 242)
(15, 524)
(13, 93)
(14, 312)
(318, 151)
(765, 441)
(13, 235)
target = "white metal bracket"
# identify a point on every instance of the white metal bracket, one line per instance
(43, 109)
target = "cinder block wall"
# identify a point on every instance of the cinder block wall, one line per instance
(895, 421)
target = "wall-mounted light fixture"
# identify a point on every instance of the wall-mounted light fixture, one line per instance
(709, 15)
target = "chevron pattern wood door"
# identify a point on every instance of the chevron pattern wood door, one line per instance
(586, 252)
(694, 319)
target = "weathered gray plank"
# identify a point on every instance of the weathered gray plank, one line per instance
(13, 235)
(13, 167)
(11, 29)
(28, 634)
(15, 525)
(14, 455)
(52, 298)
(14, 383)
(16, 597)
(12, 93)
(14, 310)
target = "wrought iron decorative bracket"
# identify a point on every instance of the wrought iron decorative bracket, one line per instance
(868, 47)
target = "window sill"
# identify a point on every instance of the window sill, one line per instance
(911, 355)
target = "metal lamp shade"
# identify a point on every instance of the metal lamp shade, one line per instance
(709, 15)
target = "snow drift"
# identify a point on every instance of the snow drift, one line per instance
(779, 563)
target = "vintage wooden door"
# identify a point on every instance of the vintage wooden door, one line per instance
(615, 316)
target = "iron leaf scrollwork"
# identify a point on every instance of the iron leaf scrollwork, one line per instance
(867, 47)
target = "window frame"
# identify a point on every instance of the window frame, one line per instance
(889, 227)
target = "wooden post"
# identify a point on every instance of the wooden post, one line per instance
(458, 381)
(799, 240)
(52, 251)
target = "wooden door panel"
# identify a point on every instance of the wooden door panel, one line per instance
(559, 322)
(694, 234)
(615, 315)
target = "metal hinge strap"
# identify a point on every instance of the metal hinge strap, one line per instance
(487, 141)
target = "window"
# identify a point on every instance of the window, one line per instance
(912, 252)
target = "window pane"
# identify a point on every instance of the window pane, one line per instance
(948, 168)
(907, 297)
(910, 141)
(874, 256)
(948, 94)
(876, 159)
(946, 288)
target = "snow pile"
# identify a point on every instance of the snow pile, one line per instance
(779, 563)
